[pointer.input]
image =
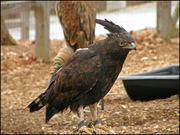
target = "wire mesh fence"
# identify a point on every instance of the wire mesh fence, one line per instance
(22, 23)
(133, 15)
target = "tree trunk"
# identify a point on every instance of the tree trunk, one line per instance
(175, 16)
(6, 38)
(164, 19)
(42, 30)
(166, 24)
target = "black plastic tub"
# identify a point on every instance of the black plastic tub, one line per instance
(155, 84)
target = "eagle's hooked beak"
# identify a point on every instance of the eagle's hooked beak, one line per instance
(133, 46)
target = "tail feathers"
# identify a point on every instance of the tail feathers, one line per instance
(38, 103)
(50, 111)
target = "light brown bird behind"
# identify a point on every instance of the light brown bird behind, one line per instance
(77, 20)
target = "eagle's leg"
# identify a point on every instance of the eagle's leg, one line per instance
(95, 123)
(82, 126)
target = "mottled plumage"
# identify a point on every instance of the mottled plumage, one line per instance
(77, 21)
(88, 75)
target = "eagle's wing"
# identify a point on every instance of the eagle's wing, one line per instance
(75, 78)
(86, 14)
(77, 21)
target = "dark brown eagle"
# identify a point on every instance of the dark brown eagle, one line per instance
(77, 21)
(87, 76)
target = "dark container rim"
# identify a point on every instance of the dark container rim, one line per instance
(149, 75)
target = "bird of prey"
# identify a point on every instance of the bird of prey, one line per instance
(87, 76)
(77, 21)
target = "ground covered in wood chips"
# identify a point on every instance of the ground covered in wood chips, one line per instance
(24, 77)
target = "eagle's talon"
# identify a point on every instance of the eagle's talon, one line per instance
(91, 124)
(86, 130)
(104, 127)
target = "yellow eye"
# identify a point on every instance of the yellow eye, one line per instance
(121, 44)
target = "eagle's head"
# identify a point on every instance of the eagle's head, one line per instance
(118, 35)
